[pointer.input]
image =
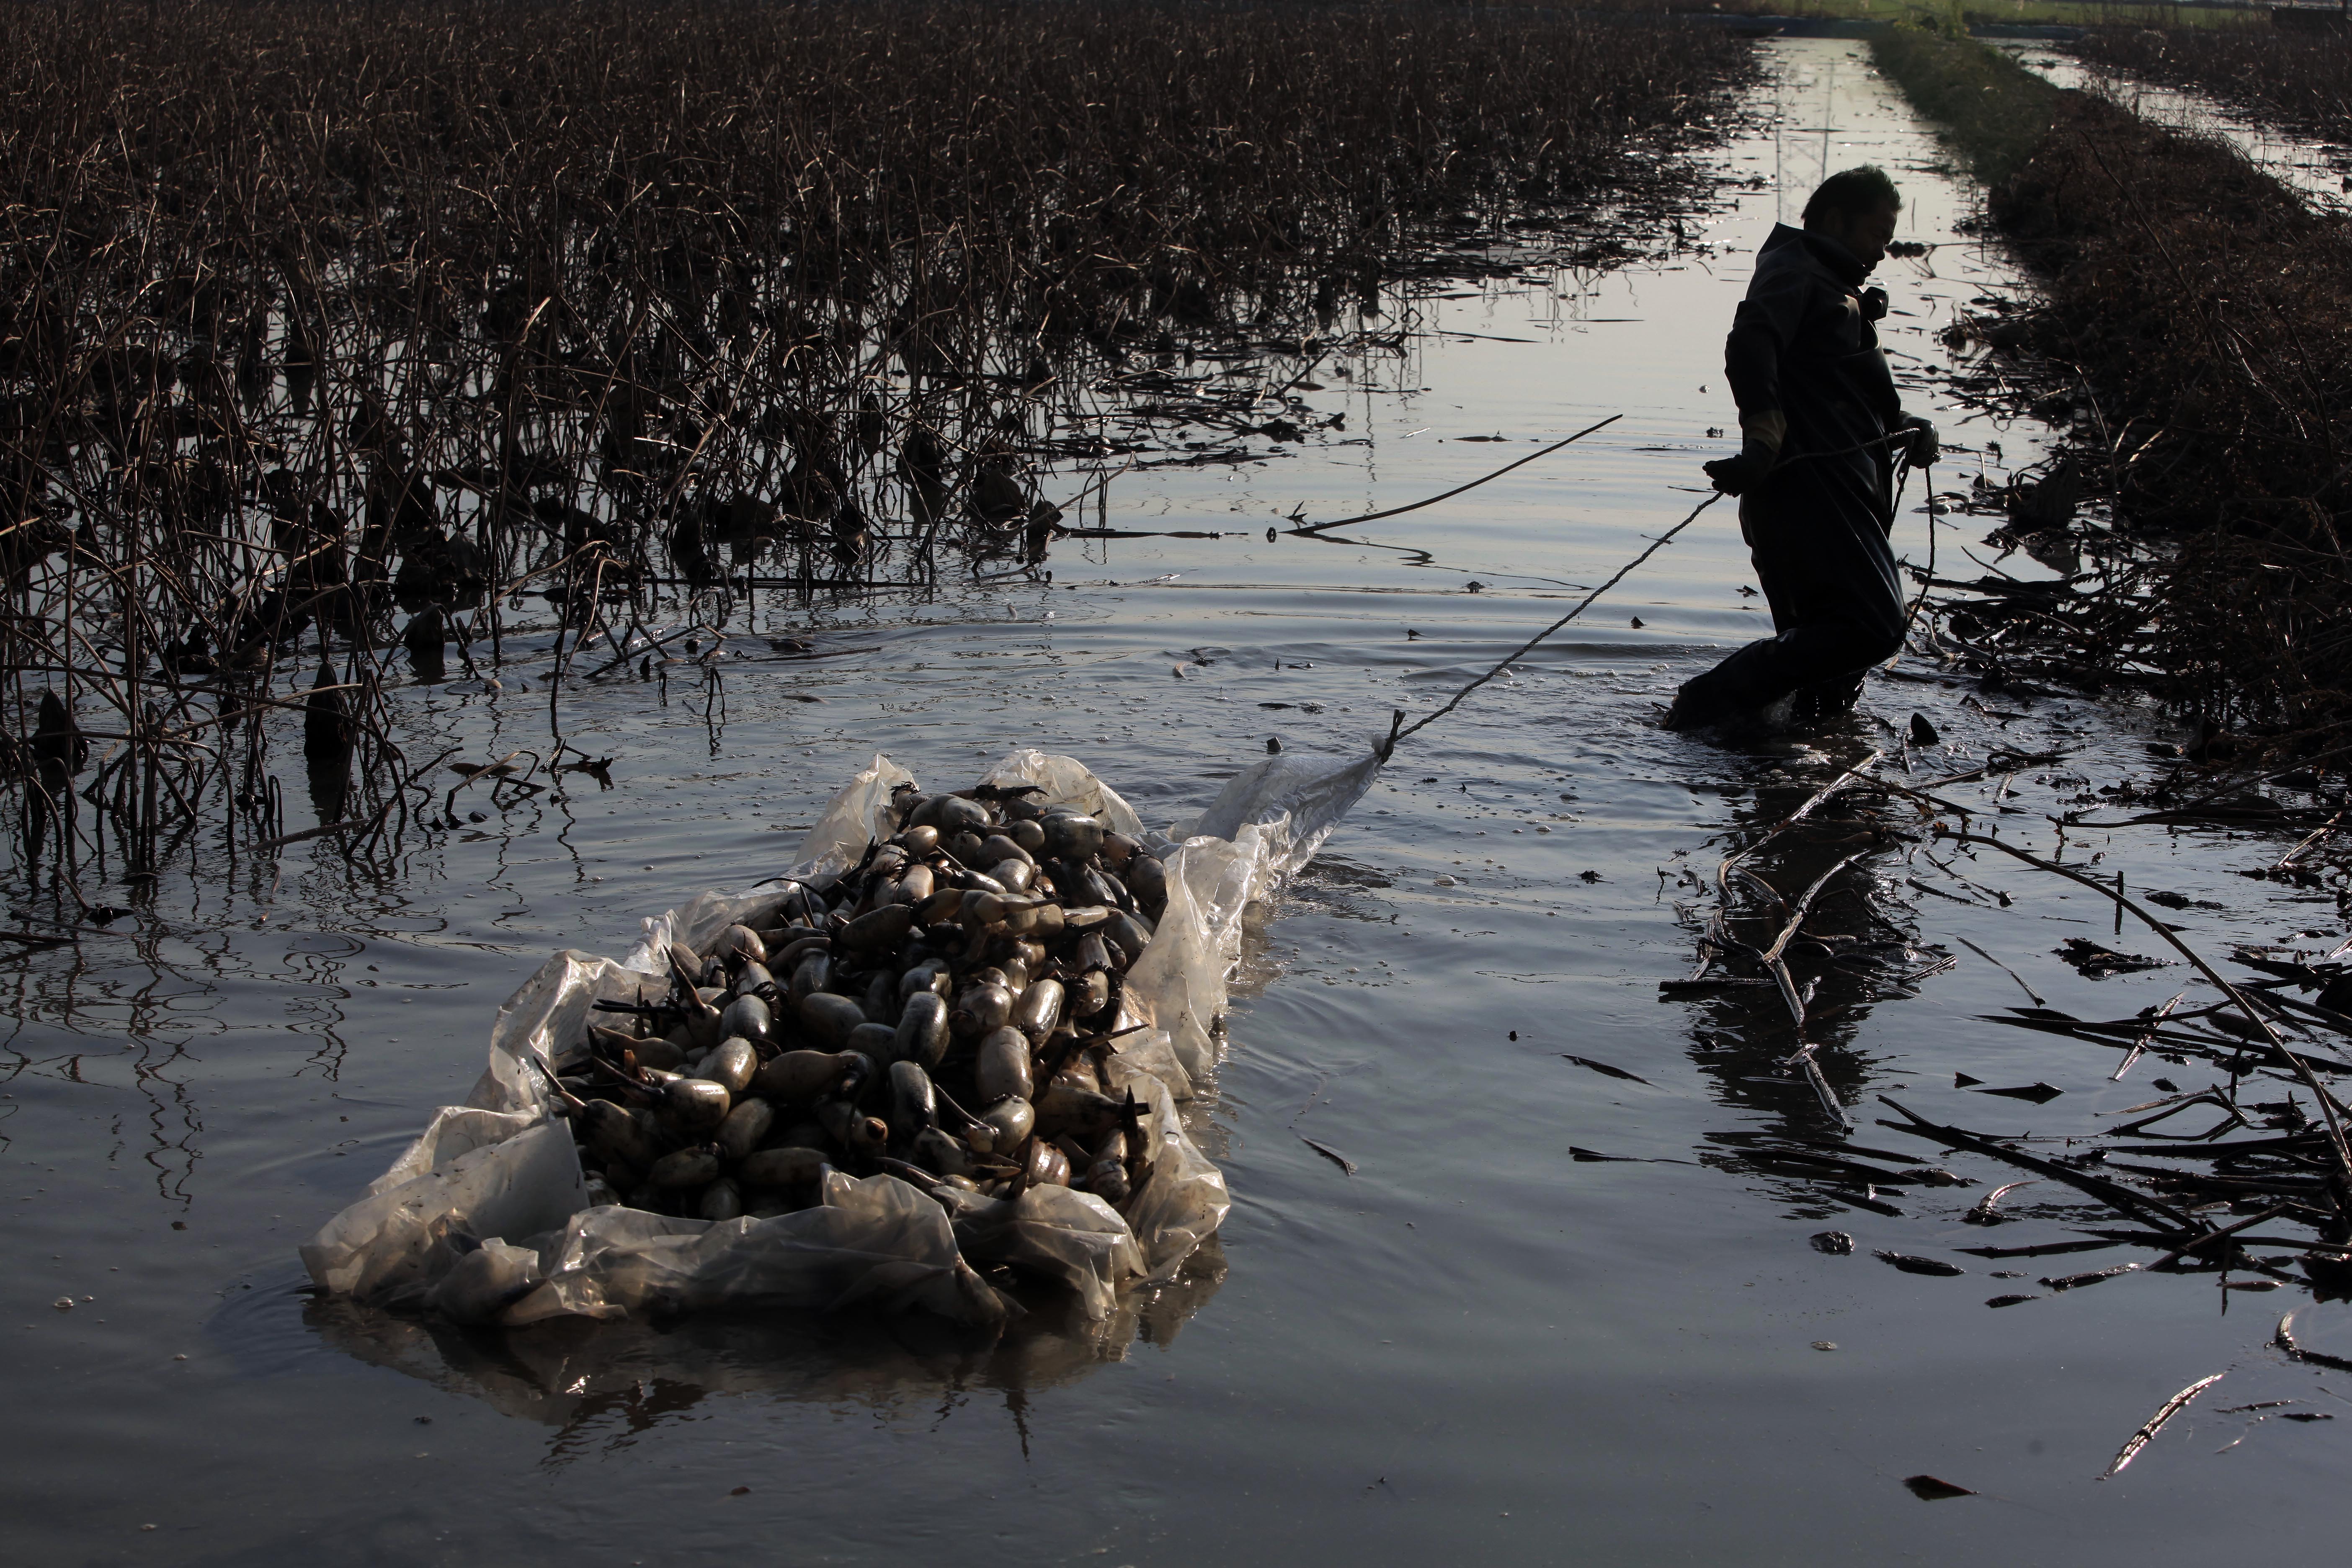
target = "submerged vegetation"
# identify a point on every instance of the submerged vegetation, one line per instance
(356, 329)
(2196, 330)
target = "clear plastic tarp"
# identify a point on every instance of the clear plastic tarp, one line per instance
(485, 1218)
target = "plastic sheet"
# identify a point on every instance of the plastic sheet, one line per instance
(1293, 801)
(874, 1240)
(483, 1217)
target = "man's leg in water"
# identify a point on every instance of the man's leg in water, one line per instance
(1829, 699)
(1826, 699)
(1828, 573)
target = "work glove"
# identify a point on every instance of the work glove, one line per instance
(1923, 449)
(1738, 476)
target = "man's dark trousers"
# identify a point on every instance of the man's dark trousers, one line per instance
(1815, 532)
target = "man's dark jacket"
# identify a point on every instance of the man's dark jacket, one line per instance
(1805, 364)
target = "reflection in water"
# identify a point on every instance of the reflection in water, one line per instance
(426, 638)
(599, 1384)
(132, 1003)
(1852, 946)
(119, 1010)
(331, 783)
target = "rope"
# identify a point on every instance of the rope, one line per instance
(1887, 439)
(1928, 580)
(1556, 446)
(1399, 730)
(1474, 484)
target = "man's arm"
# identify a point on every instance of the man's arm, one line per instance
(1764, 325)
(1763, 328)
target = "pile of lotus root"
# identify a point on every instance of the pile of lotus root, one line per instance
(940, 1012)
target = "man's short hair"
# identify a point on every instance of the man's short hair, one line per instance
(1852, 193)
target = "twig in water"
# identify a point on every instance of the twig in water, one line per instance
(2210, 1236)
(1772, 956)
(2141, 1044)
(2146, 1434)
(2004, 968)
(2146, 1209)
(2322, 831)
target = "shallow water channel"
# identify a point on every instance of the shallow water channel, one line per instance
(2317, 171)
(1476, 1347)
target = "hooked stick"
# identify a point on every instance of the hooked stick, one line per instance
(2284, 1340)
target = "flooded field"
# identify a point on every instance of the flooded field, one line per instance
(1477, 1346)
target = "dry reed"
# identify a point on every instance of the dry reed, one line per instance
(313, 314)
(2198, 322)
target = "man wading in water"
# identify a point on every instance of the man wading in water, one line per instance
(1816, 466)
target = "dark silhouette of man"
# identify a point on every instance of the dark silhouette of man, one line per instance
(1821, 426)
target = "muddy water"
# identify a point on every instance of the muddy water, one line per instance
(1475, 1348)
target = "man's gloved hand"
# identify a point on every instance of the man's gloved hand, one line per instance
(1874, 304)
(1738, 476)
(1923, 449)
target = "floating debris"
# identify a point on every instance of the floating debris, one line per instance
(1330, 1153)
(2156, 1423)
(2099, 963)
(2075, 1281)
(1928, 1488)
(1604, 1067)
(2039, 1094)
(1593, 1156)
(1910, 1264)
